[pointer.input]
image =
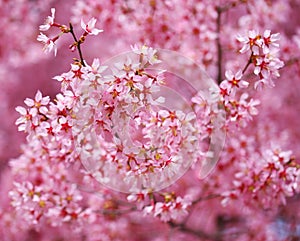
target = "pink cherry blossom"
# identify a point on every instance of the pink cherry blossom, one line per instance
(270, 40)
(113, 120)
(252, 42)
(48, 22)
(49, 44)
(89, 28)
(235, 80)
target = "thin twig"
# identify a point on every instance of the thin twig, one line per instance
(116, 211)
(231, 5)
(220, 10)
(78, 43)
(291, 62)
(219, 47)
(197, 233)
(208, 197)
(248, 63)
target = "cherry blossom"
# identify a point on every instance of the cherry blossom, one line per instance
(49, 44)
(270, 40)
(252, 42)
(89, 28)
(108, 121)
(234, 81)
(48, 22)
(39, 102)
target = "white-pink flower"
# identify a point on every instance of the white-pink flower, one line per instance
(48, 22)
(49, 44)
(270, 40)
(39, 102)
(89, 28)
(233, 82)
(27, 119)
(163, 210)
(252, 41)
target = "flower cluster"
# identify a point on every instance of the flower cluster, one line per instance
(272, 180)
(264, 55)
(172, 207)
(136, 128)
(35, 113)
(128, 131)
(227, 100)
(46, 196)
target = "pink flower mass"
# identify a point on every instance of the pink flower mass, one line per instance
(155, 120)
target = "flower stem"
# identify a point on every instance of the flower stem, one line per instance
(248, 63)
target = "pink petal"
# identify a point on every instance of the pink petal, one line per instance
(21, 110)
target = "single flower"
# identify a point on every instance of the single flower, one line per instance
(89, 28)
(49, 43)
(49, 21)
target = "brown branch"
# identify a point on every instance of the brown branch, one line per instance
(219, 47)
(208, 197)
(248, 63)
(220, 10)
(116, 212)
(78, 43)
(197, 233)
(291, 62)
(231, 5)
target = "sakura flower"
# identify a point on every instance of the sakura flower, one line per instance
(149, 54)
(251, 42)
(224, 90)
(262, 68)
(163, 210)
(270, 40)
(267, 67)
(139, 196)
(45, 129)
(39, 102)
(89, 28)
(64, 124)
(172, 208)
(94, 71)
(49, 43)
(235, 80)
(180, 207)
(251, 106)
(27, 120)
(71, 194)
(48, 22)
(65, 80)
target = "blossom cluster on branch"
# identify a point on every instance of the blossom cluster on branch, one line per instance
(132, 146)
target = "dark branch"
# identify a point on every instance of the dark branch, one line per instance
(219, 47)
(220, 10)
(208, 197)
(78, 43)
(197, 233)
(248, 63)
